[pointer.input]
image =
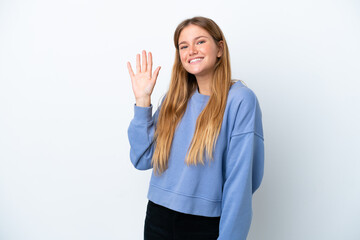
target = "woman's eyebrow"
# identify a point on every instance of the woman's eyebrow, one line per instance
(194, 39)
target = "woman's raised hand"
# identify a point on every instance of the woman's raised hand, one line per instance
(143, 81)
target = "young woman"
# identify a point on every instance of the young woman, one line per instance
(205, 141)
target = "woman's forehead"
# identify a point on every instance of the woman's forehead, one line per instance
(191, 32)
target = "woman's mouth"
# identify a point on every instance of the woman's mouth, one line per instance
(195, 60)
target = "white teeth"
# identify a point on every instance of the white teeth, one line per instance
(196, 59)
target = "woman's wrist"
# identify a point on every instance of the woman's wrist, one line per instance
(143, 102)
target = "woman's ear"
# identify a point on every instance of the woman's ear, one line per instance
(221, 48)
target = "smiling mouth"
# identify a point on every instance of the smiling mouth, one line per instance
(195, 60)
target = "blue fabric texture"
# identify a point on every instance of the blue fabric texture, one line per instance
(223, 186)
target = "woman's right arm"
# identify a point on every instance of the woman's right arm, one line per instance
(141, 137)
(142, 126)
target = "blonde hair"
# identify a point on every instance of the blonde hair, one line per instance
(182, 86)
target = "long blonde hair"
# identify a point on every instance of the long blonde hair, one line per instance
(182, 86)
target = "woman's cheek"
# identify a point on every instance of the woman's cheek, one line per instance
(183, 60)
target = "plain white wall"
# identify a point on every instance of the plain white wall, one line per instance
(66, 102)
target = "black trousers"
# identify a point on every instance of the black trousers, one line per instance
(162, 223)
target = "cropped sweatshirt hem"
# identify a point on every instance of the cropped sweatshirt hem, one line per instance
(196, 205)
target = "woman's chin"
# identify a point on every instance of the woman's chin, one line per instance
(194, 71)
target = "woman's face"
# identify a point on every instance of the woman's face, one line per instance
(198, 51)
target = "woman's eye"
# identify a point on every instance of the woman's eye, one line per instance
(201, 42)
(183, 47)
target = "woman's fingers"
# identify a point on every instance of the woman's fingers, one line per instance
(144, 62)
(143, 65)
(138, 68)
(131, 72)
(149, 68)
(156, 73)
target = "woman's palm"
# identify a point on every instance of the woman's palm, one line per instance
(143, 81)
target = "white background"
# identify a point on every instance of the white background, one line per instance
(66, 103)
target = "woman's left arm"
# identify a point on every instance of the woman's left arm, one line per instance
(244, 169)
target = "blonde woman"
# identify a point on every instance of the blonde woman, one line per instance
(204, 143)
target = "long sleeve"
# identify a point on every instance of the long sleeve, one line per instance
(243, 170)
(140, 134)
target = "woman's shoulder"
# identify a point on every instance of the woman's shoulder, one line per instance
(240, 92)
(244, 109)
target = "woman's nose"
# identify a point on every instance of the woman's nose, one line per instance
(192, 50)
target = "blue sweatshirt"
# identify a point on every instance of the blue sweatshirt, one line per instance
(222, 187)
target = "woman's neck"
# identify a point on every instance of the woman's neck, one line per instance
(204, 85)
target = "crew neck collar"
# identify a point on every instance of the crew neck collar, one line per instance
(200, 97)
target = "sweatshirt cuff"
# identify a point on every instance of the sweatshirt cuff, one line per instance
(143, 114)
